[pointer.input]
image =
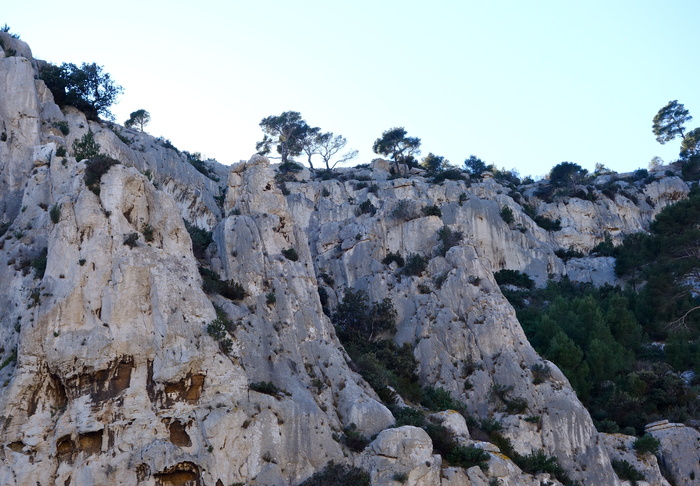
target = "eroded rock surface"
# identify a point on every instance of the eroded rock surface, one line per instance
(110, 375)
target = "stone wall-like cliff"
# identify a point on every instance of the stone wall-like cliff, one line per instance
(110, 376)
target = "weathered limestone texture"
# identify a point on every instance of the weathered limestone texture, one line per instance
(110, 375)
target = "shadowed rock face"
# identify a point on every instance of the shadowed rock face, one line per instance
(116, 380)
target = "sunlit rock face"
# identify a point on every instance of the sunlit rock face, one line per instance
(109, 373)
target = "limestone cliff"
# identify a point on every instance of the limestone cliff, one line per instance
(109, 374)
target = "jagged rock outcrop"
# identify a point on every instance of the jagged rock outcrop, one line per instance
(621, 448)
(679, 451)
(110, 376)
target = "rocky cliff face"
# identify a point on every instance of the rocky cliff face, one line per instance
(109, 374)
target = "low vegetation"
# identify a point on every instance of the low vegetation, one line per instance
(95, 169)
(338, 475)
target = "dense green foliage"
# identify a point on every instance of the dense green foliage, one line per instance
(395, 144)
(356, 317)
(286, 132)
(668, 260)
(212, 284)
(138, 119)
(266, 387)
(338, 475)
(514, 277)
(626, 471)
(507, 215)
(646, 443)
(448, 238)
(566, 174)
(597, 337)
(604, 339)
(201, 239)
(668, 122)
(87, 88)
(475, 166)
(218, 328)
(415, 265)
(539, 462)
(455, 454)
(86, 147)
(434, 164)
(95, 168)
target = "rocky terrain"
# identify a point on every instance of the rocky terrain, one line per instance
(110, 376)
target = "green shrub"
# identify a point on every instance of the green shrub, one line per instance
(270, 298)
(515, 278)
(456, 455)
(448, 238)
(355, 441)
(646, 443)
(394, 257)
(86, 147)
(338, 475)
(605, 248)
(290, 166)
(547, 223)
(539, 462)
(95, 169)
(39, 263)
(449, 174)
(266, 387)
(290, 254)
(540, 373)
(432, 211)
(217, 330)
(356, 317)
(131, 240)
(567, 255)
(627, 472)
(148, 232)
(513, 405)
(366, 207)
(403, 211)
(201, 239)
(195, 160)
(415, 265)
(507, 215)
(12, 358)
(212, 284)
(62, 126)
(567, 174)
(61, 151)
(55, 213)
(408, 416)
(438, 399)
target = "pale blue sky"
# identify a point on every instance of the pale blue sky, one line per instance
(523, 85)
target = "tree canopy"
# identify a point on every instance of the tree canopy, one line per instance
(395, 144)
(475, 166)
(87, 88)
(691, 143)
(326, 145)
(566, 174)
(286, 131)
(138, 119)
(669, 121)
(434, 164)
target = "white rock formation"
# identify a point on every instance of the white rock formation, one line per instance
(679, 451)
(110, 376)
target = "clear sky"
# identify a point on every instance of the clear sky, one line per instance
(522, 85)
